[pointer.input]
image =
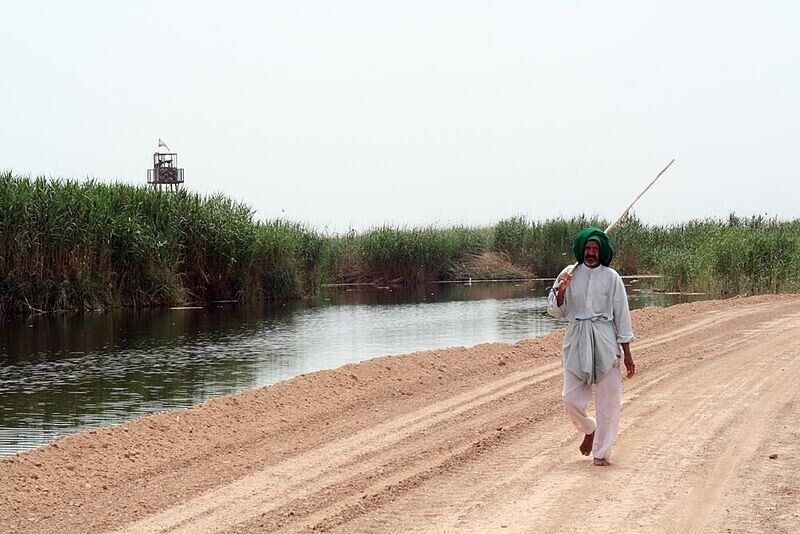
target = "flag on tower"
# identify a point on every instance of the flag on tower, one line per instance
(162, 143)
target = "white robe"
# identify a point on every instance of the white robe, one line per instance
(596, 306)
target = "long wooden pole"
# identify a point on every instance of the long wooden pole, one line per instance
(635, 200)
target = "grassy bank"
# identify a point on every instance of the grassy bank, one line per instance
(89, 245)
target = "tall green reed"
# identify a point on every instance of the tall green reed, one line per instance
(88, 245)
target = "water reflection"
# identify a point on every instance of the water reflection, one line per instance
(61, 374)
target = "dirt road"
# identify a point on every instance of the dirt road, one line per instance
(459, 440)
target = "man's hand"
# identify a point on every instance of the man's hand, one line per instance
(563, 281)
(629, 365)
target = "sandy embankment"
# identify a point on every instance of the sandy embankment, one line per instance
(457, 440)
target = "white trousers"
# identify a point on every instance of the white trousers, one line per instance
(577, 395)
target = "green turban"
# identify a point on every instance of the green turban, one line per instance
(595, 234)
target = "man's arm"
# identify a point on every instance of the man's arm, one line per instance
(555, 300)
(622, 323)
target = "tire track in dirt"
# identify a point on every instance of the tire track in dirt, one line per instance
(245, 498)
(768, 390)
(552, 475)
(671, 455)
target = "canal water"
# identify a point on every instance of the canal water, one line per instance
(60, 374)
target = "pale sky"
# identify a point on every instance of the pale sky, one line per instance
(351, 114)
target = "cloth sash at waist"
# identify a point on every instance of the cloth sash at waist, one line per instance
(590, 348)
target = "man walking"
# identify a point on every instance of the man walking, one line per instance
(592, 298)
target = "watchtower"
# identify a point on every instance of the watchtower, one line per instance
(165, 171)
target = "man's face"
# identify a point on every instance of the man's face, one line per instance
(591, 254)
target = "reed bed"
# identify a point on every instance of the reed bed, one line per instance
(89, 245)
(411, 256)
(67, 245)
(725, 257)
(729, 257)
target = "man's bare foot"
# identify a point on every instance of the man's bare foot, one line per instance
(601, 461)
(586, 446)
